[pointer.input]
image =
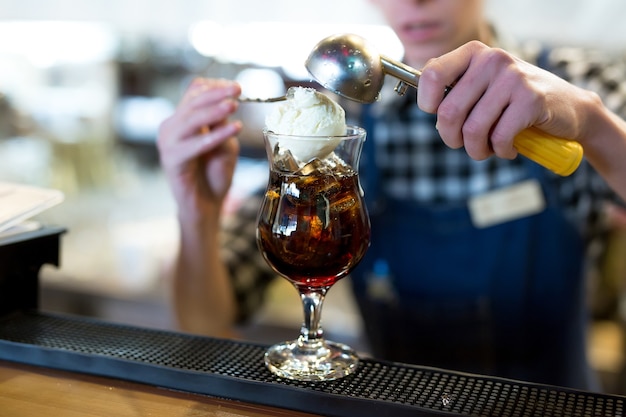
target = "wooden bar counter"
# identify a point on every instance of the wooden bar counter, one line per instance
(29, 391)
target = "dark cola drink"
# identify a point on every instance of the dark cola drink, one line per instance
(313, 227)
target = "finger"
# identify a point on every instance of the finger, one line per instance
(203, 92)
(181, 152)
(440, 73)
(485, 117)
(188, 123)
(452, 105)
(206, 92)
(216, 136)
(453, 114)
(515, 118)
(521, 111)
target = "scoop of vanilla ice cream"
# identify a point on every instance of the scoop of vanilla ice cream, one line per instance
(313, 116)
(307, 112)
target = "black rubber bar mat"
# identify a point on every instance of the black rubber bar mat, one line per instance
(235, 370)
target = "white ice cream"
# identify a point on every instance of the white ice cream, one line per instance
(307, 113)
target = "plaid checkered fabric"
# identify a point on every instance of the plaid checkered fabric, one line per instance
(413, 163)
(248, 270)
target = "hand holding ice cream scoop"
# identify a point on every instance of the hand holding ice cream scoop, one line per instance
(348, 65)
(305, 115)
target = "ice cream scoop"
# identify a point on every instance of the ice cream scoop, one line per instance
(349, 66)
(311, 122)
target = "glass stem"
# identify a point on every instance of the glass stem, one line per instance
(311, 333)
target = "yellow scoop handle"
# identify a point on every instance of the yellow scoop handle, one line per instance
(560, 156)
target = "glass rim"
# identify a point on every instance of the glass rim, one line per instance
(356, 131)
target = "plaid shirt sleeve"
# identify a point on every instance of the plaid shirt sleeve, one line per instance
(586, 192)
(250, 274)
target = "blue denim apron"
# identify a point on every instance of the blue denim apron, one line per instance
(506, 300)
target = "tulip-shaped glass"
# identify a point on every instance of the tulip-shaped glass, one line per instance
(313, 229)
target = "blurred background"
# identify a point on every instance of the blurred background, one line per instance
(84, 86)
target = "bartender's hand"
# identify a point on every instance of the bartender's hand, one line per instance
(495, 96)
(198, 146)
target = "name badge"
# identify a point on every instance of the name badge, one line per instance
(510, 203)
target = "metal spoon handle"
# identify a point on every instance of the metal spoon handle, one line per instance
(261, 100)
(400, 71)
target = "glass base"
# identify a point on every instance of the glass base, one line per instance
(329, 361)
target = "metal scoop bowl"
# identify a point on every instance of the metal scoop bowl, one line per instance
(347, 65)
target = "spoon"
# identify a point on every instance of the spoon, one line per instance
(347, 65)
(261, 100)
(291, 91)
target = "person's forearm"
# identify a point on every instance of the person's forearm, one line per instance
(203, 297)
(605, 147)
